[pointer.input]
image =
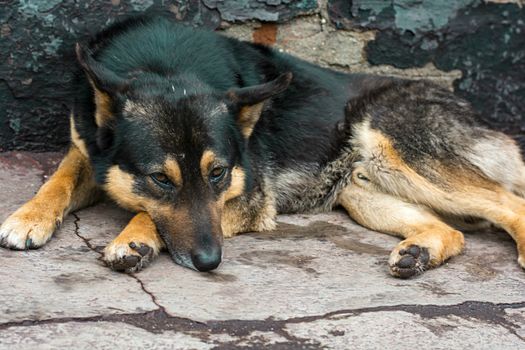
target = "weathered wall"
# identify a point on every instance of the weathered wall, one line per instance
(476, 47)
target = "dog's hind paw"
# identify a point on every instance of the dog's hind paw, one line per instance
(128, 257)
(409, 261)
(27, 229)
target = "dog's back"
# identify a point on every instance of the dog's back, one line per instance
(304, 114)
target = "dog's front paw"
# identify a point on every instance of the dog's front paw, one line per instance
(128, 256)
(28, 228)
(409, 261)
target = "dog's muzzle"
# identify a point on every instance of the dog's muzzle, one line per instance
(206, 259)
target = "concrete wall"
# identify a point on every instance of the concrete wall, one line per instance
(475, 47)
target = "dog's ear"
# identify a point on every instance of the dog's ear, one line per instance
(106, 85)
(249, 101)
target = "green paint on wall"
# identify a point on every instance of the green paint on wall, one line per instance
(36, 7)
(424, 15)
(14, 124)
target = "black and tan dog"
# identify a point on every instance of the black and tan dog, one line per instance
(206, 137)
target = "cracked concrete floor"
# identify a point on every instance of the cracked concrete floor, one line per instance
(319, 281)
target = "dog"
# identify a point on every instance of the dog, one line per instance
(205, 137)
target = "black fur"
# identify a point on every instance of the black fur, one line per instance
(154, 54)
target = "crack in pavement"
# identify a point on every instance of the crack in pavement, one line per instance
(152, 296)
(84, 239)
(101, 256)
(153, 321)
(158, 321)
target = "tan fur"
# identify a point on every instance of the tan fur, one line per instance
(231, 219)
(140, 233)
(256, 214)
(464, 192)
(173, 171)
(207, 161)
(236, 185)
(140, 229)
(75, 137)
(248, 117)
(103, 107)
(71, 187)
(119, 185)
(235, 219)
(417, 224)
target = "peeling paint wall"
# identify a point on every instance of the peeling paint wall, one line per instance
(475, 47)
(483, 40)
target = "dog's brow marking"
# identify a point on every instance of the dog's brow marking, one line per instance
(173, 170)
(208, 157)
(236, 185)
(173, 88)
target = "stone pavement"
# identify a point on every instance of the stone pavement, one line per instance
(318, 281)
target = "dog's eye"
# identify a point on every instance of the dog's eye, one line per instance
(217, 174)
(161, 179)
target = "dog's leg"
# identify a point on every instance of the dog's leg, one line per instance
(452, 187)
(135, 247)
(484, 199)
(70, 188)
(428, 240)
(469, 195)
(462, 191)
(499, 206)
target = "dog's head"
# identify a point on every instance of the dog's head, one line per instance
(175, 149)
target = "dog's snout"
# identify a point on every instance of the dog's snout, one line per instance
(206, 259)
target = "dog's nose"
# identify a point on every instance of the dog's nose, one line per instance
(206, 259)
